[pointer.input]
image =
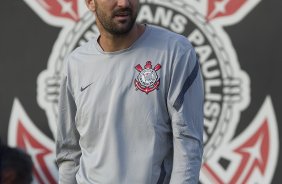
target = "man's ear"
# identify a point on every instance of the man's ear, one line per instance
(91, 5)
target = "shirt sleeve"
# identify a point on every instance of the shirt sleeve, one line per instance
(67, 142)
(185, 105)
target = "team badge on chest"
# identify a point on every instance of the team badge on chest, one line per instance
(148, 79)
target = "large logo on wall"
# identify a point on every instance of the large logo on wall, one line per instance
(228, 158)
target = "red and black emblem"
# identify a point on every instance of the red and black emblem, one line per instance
(147, 80)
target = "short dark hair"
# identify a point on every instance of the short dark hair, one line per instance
(17, 160)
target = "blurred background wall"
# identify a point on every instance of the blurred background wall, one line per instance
(238, 43)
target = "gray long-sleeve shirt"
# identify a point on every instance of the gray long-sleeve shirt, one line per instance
(125, 115)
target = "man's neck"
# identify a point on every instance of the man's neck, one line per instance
(112, 43)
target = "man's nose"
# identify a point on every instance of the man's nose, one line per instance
(123, 3)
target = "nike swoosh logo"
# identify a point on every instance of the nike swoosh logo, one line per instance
(83, 88)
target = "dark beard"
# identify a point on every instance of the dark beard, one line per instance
(111, 27)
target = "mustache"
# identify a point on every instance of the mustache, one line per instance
(122, 11)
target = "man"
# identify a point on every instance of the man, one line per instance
(131, 104)
(15, 165)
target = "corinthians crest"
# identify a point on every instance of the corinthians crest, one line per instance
(147, 80)
(228, 158)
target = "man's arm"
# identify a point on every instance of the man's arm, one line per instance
(67, 142)
(185, 105)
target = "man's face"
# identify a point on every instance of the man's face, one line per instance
(116, 16)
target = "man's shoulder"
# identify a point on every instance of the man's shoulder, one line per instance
(87, 48)
(75, 57)
(172, 38)
(163, 31)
